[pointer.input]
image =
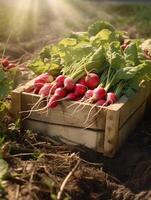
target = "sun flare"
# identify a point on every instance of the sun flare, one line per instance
(61, 15)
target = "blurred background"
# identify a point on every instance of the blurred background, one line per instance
(27, 25)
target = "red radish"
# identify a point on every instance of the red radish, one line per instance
(98, 93)
(78, 98)
(60, 92)
(69, 84)
(38, 85)
(71, 96)
(92, 80)
(46, 78)
(10, 66)
(40, 80)
(60, 80)
(82, 81)
(5, 63)
(79, 89)
(44, 91)
(101, 102)
(53, 89)
(111, 98)
(30, 89)
(53, 102)
(89, 94)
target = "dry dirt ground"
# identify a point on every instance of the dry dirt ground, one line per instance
(39, 166)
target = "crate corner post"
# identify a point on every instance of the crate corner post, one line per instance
(16, 102)
(111, 133)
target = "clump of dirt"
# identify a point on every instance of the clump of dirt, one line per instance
(44, 168)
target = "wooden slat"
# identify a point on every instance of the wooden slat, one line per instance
(16, 98)
(130, 125)
(127, 107)
(81, 136)
(111, 133)
(62, 114)
(100, 142)
(16, 101)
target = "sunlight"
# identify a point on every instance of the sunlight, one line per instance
(26, 12)
(53, 17)
(65, 13)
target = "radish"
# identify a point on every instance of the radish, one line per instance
(60, 92)
(10, 66)
(43, 92)
(101, 102)
(60, 80)
(71, 96)
(111, 98)
(92, 80)
(46, 78)
(82, 81)
(5, 62)
(98, 93)
(30, 89)
(40, 80)
(38, 85)
(79, 89)
(89, 94)
(52, 103)
(69, 84)
(53, 89)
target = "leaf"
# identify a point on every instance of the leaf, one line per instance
(115, 56)
(45, 53)
(67, 42)
(80, 36)
(39, 67)
(3, 168)
(98, 26)
(104, 36)
(131, 54)
(143, 73)
(2, 75)
(5, 88)
(129, 92)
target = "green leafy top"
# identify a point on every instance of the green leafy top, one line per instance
(95, 50)
(98, 26)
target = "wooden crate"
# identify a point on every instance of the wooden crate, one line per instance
(110, 129)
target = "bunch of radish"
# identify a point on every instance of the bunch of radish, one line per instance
(87, 89)
(7, 65)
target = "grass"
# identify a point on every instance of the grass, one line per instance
(136, 16)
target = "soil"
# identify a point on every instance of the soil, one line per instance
(39, 165)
